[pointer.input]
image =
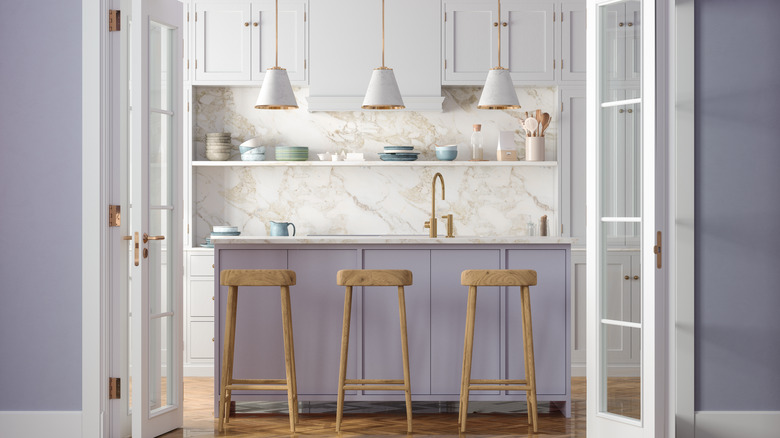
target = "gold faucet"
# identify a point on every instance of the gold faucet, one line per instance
(432, 222)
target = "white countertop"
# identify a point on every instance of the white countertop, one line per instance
(389, 239)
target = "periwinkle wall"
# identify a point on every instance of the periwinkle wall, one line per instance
(40, 206)
(737, 205)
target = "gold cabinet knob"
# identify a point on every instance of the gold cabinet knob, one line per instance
(620, 24)
(630, 24)
(254, 24)
(246, 24)
(212, 339)
(621, 110)
(630, 111)
(212, 266)
(212, 298)
(626, 277)
(495, 24)
(505, 24)
(636, 277)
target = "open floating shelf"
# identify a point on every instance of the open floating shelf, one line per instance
(374, 163)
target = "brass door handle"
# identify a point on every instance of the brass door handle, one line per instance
(148, 237)
(135, 250)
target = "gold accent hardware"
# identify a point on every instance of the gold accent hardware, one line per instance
(561, 106)
(304, 64)
(147, 238)
(553, 64)
(246, 24)
(114, 217)
(114, 388)
(561, 63)
(626, 277)
(636, 277)
(505, 24)
(657, 250)
(561, 229)
(630, 111)
(212, 266)
(620, 24)
(620, 110)
(212, 298)
(137, 246)
(630, 24)
(304, 16)
(188, 64)
(254, 24)
(431, 224)
(114, 16)
(127, 237)
(561, 17)
(445, 64)
(450, 227)
(212, 339)
(495, 24)
(146, 253)
(188, 16)
(196, 16)
(445, 16)
(196, 64)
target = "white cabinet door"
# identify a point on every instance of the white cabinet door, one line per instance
(572, 119)
(572, 41)
(471, 41)
(528, 43)
(292, 38)
(622, 43)
(222, 41)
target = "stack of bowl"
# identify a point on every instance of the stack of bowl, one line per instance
(447, 152)
(220, 230)
(251, 150)
(218, 146)
(292, 153)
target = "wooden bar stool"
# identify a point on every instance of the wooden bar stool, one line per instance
(498, 277)
(376, 277)
(257, 277)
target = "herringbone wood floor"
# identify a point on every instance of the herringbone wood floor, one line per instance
(199, 418)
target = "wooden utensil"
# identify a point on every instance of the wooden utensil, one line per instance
(539, 122)
(545, 122)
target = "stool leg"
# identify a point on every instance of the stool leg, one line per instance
(292, 355)
(468, 350)
(226, 354)
(343, 362)
(231, 353)
(286, 324)
(528, 343)
(405, 354)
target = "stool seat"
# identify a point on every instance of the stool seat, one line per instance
(498, 277)
(257, 277)
(233, 278)
(374, 277)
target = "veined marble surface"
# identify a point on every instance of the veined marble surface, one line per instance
(390, 239)
(485, 200)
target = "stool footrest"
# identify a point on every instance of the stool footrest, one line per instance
(374, 381)
(257, 387)
(499, 388)
(399, 387)
(259, 381)
(500, 381)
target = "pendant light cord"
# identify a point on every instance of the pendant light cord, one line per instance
(383, 33)
(277, 33)
(499, 33)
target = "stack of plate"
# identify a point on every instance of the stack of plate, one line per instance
(218, 146)
(398, 153)
(292, 153)
(220, 230)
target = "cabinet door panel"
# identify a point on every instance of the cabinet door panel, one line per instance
(528, 43)
(291, 38)
(200, 341)
(470, 41)
(633, 41)
(573, 41)
(202, 265)
(381, 333)
(317, 311)
(259, 344)
(573, 151)
(548, 317)
(449, 300)
(578, 308)
(222, 41)
(201, 293)
(614, 43)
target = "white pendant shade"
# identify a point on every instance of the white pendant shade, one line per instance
(383, 92)
(276, 92)
(499, 91)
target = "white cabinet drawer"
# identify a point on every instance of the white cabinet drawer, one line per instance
(201, 294)
(202, 265)
(201, 344)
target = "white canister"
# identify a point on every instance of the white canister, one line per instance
(507, 149)
(534, 149)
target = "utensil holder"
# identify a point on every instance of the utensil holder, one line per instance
(534, 149)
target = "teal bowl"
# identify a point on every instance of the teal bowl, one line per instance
(446, 154)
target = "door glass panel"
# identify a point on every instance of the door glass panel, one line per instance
(620, 187)
(161, 377)
(160, 72)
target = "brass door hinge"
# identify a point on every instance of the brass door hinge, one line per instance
(114, 391)
(561, 17)
(304, 64)
(114, 216)
(445, 64)
(113, 20)
(304, 16)
(657, 250)
(445, 16)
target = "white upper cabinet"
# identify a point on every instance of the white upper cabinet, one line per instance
(623, 28)
(527, 40)
(346, 46)
(470, 41)
(235, 41)
(572, 61)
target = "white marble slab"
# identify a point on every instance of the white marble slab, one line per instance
(389, 239)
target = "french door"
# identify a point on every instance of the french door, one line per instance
(625, 176)
(150, 308)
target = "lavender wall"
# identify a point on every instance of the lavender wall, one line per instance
(40, 205)
(737, 205)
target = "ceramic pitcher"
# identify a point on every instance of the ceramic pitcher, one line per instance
(280, 228)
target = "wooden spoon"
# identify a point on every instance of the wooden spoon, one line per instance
(539, 122)
(545, 122)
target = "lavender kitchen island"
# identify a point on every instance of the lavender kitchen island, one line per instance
(436, 315)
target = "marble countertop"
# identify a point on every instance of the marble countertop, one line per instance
(420, 239)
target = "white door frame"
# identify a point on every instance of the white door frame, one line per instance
(95, 133)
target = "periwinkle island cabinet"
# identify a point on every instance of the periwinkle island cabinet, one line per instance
(436, 315)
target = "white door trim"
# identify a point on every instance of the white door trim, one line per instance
(94, 128)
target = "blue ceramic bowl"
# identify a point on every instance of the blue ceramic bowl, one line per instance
(446, 154)
(256, 149)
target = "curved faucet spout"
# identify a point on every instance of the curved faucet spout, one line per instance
(432, 222)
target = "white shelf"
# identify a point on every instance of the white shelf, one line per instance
(374, 163)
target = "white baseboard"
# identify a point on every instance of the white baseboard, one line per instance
(198, 371)
(62, 424)
(730, 424)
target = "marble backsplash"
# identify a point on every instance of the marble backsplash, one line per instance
(485, 200)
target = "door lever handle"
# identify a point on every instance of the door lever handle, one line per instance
(148, 237)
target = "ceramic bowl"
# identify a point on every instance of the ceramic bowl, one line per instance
(252, 157)
(256, 149)
(446, 154)
(252, 142)
(218, 156)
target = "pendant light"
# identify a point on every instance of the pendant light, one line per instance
(383, 92)
(276, 92)
(499, 91)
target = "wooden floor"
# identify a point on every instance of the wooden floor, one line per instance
(199, 418)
